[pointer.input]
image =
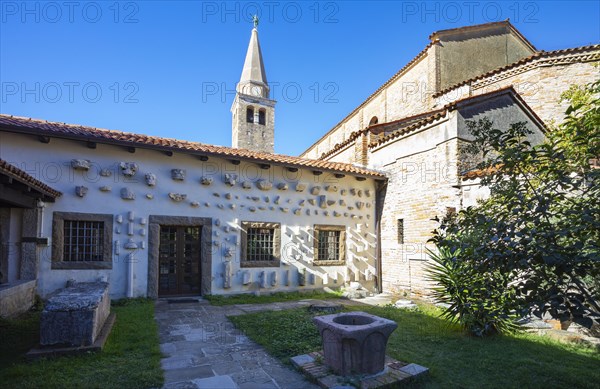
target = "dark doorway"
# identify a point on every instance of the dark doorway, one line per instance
(179, 261)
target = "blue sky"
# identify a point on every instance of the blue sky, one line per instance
(170, 68)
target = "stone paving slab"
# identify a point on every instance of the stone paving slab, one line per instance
(203, 349)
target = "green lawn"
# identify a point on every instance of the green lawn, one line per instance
(130, 359)
(455, 359)
(271, 298)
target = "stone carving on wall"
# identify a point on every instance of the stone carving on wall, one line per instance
(297, 211)
(81, 191)
(247, 185)
(117, 248)
(342, 202)
(353, 192)
(246, 277)
(282, 186)
(150, 179)
(227, 275)
(302, 277)
(286, 277)
(105, 173)
(264, 184)
(274, 278)
(322, 201)
(119, 218)
(263, 279)
(252, 209)
(128, 168)
(216, 194)
(127, 194)
(359, 205)
(368, 192)
(177, 197)
(301, 203)
(206, 181)
(230, 179)
(331, 188)
(80, 164)
(343, 192)
(228, 196)
(315, 190)
(149, 196)
(131, 245)
(195, 204)
(276, 199)
(178, 174)
(105, 188)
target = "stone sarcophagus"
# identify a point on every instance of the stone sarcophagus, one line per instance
(75, 315)
(354, 342)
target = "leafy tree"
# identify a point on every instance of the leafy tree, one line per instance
(535, 242)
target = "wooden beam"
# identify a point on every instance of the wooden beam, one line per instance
(44, 139)
(264, 166)
(16, 198)
(131, 149)
(339, 175)
(203, 158)
(317, 172)
(235, 161)
(292, 169)
(91, 145)
(360, 178)
(169, 153)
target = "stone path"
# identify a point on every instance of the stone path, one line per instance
(203, 349)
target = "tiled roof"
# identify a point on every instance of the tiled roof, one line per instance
(19, 175)
(523, 61)
(91, 134)
(412, 123)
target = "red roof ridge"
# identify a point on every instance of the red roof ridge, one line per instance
(78, 132)
(15, 172)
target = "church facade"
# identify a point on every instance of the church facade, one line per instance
(413, 128)
(164, 217)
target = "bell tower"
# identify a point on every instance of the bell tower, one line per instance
(252, 111)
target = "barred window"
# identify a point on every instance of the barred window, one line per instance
(401, 231)
(329, 245)
(260, 244)
(81, 240)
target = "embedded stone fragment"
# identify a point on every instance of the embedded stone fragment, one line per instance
(331, 188)
(216, 194)
(284, 210)
(343, 192)
(368, 192)
(232, 206)
(195, 204)
(81, 164)
(274, 278)
(246, 277)
(264, 184)
(330, 202)
(322, 201)
(255, 198)
(217, 222)
(252, 209)
(342, 202)
(311, 201)
(263, 279)
(359, 193)
(301, 203)
(220, 206)
(105, 173)
(286, 277)
(276, 200)
(128, 169)
(315, 190)
(297, 211)
(368, 205)
(178, 174)
(228, 196)
(353, 192)
(230, 179)
(282, 186)
(150, 179)
(302, 277)
(360, 205)
(206, 181)
(247, 185)
(81, 191)
(177, 197)
(227, 275)
(336, 214)
(300, 187)
(127, 194)
(105, 188)
(130, 245)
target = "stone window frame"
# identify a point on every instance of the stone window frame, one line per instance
(58, 235)
(276, 262)
(342, 249)
(154, 224)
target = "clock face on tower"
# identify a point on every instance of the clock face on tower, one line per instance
(256, 90)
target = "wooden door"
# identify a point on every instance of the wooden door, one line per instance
(179, 261)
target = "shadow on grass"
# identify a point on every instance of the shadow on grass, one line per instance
(454, 359)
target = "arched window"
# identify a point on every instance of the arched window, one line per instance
(262, 116)
(250, 115)
(373, 121)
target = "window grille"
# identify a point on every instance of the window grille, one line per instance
(328, 245)
(260, 244)
(83, 240)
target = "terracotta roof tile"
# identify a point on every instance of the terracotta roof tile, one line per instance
(85, 133)
(19, 175)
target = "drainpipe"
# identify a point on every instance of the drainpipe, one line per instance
(380, 188)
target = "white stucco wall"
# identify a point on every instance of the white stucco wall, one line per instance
(50, 163)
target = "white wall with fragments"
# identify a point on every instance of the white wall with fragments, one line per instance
(167, 195)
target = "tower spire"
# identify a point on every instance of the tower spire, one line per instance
(254, 68)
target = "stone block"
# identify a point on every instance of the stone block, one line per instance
(75, 315)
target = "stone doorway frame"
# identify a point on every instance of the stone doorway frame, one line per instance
(155, 221)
